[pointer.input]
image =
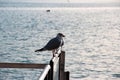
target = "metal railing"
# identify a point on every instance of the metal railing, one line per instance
(45, 75)
(55, 70)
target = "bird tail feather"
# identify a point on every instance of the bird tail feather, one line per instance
(42, 49)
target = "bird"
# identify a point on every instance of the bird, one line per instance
(54, 44)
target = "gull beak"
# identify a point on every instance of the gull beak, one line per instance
(63, 35)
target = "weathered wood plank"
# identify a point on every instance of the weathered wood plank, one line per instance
(51, 70)
(67, 75)
(62, 65)
(22, 65)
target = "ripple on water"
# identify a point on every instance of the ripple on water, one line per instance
(116, 75)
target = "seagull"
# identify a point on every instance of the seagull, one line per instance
(54, 44)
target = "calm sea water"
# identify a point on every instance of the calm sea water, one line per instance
(92, 41)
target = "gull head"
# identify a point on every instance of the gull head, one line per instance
(60, 34)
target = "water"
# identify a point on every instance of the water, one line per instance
(92, 41)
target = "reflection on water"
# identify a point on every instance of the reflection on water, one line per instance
(92, 40)
(19, 74)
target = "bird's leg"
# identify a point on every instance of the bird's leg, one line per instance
(53, 51)
(58, 50)
(61, 48)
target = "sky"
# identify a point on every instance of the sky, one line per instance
(64, 1)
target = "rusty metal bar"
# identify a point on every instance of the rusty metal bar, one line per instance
(22, 65)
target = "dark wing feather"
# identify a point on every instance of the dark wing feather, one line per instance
(53, 44)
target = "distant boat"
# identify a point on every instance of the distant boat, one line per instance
(47, 10)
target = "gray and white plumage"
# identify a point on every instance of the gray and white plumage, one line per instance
(53, 44)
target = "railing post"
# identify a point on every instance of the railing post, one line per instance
(67, 75)
(51, 70)
(55, 70)
(62, 65)
(49, 75)
(44, 75)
